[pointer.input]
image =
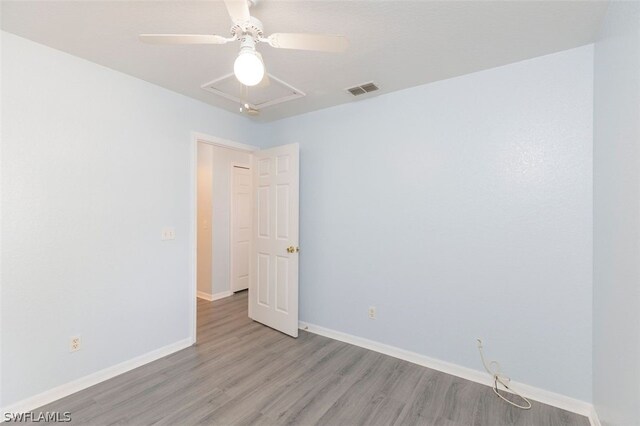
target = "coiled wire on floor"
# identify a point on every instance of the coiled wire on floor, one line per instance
(493, 368)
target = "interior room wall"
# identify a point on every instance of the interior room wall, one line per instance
(460, 209)
(94, 164)
(616, 307)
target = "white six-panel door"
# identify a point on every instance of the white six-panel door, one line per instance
(241, 234)
(273, 291)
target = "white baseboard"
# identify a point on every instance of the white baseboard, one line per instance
(222, 295)
(593, 417)
(56, 393)
(205, 296)
(540, 395)
(216, 296)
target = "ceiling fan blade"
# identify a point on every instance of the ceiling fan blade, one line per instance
(182, 39)
(317, 42)
(238, 10)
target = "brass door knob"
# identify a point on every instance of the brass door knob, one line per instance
(292, 249)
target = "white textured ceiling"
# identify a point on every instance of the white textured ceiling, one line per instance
(396, 44)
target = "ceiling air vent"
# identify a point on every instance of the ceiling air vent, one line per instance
(362, 89)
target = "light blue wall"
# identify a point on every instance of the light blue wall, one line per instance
(94, 164)
(616, 308)
(460, 209)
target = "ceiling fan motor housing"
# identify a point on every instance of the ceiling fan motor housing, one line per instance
(252, 28)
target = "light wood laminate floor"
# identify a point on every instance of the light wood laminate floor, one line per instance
(243, 373)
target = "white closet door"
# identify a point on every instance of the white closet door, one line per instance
(241, 218)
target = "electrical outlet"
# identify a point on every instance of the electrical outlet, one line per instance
(74, 344)
(372, 312)
(168, 233)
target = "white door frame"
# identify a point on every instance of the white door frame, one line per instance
(193, 233)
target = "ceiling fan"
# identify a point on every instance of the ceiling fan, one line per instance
(249, 67)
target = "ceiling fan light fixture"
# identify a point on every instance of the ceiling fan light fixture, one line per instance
(248, 67)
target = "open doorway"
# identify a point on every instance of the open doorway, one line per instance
(224, 219)
(245, 233)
